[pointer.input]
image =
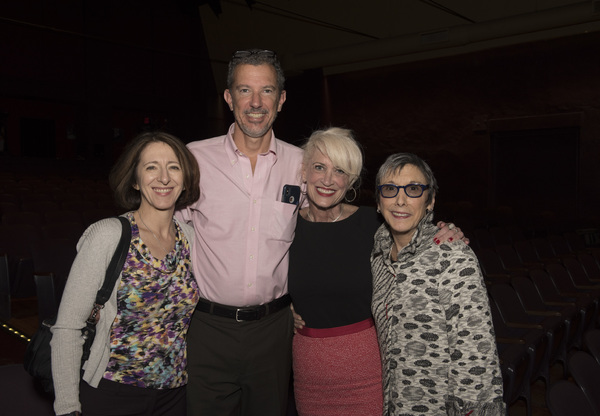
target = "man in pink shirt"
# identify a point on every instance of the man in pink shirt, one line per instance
(239, 342)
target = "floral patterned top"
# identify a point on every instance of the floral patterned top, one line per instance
(156, 299)
(435, 329)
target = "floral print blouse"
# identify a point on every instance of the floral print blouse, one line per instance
(156, 299)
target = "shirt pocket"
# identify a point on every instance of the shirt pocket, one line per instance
(282, 222)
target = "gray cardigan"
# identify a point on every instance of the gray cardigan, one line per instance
(95, 250)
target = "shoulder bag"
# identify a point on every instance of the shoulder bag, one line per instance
(37, 359)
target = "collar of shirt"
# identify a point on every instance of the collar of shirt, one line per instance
(234, 153)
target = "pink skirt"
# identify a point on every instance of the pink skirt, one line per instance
(337, 371)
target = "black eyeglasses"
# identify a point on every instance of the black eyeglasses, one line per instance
(244, 54)
(413, 190)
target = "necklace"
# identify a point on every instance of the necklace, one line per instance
(154, 235)
(312, 220)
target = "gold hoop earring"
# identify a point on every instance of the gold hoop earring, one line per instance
(353, 198)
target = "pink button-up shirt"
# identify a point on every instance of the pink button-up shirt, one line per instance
(242, 229)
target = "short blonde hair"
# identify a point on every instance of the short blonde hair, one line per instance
(339, 145)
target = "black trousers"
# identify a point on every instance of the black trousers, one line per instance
(239, 368)
(111, 398)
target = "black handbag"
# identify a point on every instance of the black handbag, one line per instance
(37, 359)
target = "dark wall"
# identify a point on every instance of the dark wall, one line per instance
(98, 72)
(450, 110)
(101, 71)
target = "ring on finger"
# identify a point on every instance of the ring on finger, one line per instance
(451, 226)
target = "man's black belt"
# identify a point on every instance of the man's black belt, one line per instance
(246, 313)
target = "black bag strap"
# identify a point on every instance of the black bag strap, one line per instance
(116, 264)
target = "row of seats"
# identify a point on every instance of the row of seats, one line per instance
(79, 213)
(64, 201)
(42, 216)
(559, 243)
(544, 296)
(46, 184)
(41, 220)
(26, 172)
(44, 208)
(39, 193)
(580, 393)
(54, 201)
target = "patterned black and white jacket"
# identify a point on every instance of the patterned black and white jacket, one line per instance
(434, 326)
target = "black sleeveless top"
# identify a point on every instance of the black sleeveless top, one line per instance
(330, 272)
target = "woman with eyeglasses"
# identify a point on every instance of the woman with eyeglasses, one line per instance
(430, 305)
(336, 360)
